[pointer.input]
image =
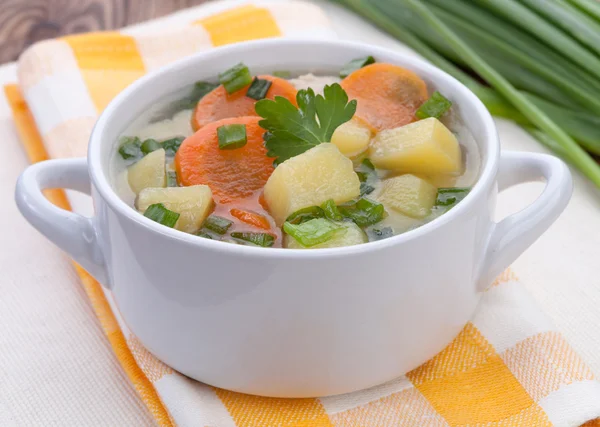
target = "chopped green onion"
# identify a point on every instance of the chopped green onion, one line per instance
(232, 136)
(258, 89)
(282, 74)
(217, 224)
(204, 235)
(363, 212)
(305, 214)
(130, 147)
(379, 233)
(172, 145)
(367, 176)
(150, 145)
(355, 64)
(200, 90)
(313, 232)
(366, 188)
(259, 239)
(436, 106)
(172, 179)
(331, 211)
(157, 212)
(448, 197)
(236, 78)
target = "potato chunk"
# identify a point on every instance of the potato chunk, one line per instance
(425, 147)
(409, 195)
(148, 172)
(353, 235)
(352, 138)
(193, 203)
(309, 179)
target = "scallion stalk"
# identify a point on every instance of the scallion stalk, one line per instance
(159, 213)
(235, 78)
(258, 89)
(232, 136)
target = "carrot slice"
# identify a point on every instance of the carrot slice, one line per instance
(251, 218)
(231, 174)
(388, 96)
(218, 104)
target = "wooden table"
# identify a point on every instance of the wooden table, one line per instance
(23, 22)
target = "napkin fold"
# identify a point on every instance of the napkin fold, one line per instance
(508, 367)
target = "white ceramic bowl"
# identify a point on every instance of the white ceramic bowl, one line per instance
(282, 322)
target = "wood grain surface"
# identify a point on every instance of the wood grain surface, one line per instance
(23, 22)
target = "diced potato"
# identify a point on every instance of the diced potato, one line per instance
(352, 138)
(193, 203)
(353, 236)
(310, 179)
(409, 195)
(425, 147)
(148, 172)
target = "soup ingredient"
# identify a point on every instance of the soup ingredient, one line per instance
(351, 234)
(199, 90)
(148, 172)
(306, 214)
(425, 147)
(388, 96)
(435, 36)
(436, 106)
(258, 89)
(130, 148)
(310, 179)
(193, 203)
(172, 179)
(363, 212)
(204, 235)
(380, 233)
(313, 232)
(217, 224)
(218, 104)
(259, 239)
(449, 197)
(352, 138)
(251, 218)
(235, 78)
(409, 195)
(232, 136)
(330, 210)
(231, 174)
(368, 177)
(355, 64)
(157, 212)
(292, 131)
(150, 145)
(172, 145)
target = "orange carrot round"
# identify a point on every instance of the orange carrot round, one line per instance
(231, 174)
(251, 218)
(218, 104)
(388, 96)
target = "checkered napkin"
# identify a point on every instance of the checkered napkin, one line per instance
(508, 367)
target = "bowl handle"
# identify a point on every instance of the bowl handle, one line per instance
(510, 237)
(73, 233)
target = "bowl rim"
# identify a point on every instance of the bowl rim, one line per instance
(102, 183)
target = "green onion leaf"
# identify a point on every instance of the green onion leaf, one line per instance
(355, 64)
(331, 211)
(172, 145)
(232, 136)
(436, 106)
(217, 224)
(305, 214)
(282, 74)
(363, 212)
(259, 239)
(258, 89)
(130, 147)
(367, 176)
(204, 235)
(150, 145)
(448, 197)
(236, 78)
(376, 233)
(313, 232)
(172, 179)
(157, 212)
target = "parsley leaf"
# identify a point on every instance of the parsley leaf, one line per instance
(292, 131)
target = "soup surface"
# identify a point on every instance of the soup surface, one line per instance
(305, 161)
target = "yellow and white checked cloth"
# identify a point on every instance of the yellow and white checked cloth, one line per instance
(508, 367)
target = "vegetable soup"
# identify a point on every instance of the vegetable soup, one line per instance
(304, 161)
